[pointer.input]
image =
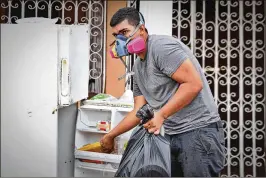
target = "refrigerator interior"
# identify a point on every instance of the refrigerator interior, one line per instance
(107, 163)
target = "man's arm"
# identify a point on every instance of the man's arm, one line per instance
(129, 122)
(190, 85)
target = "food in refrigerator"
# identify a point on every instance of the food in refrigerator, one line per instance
(103, 126)
(93, 147)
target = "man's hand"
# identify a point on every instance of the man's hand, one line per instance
(154, 125)
(107, 143)
(129, 122)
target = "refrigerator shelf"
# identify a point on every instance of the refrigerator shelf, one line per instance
(117, 103)
(92, 130)
(105, 108)
(97, 167)
(110, 158)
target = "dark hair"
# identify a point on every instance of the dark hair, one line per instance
(129, 13)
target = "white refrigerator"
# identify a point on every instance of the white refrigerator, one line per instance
(44, 72)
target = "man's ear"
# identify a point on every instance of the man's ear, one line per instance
(142, 30)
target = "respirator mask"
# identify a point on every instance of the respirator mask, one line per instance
(124, 46)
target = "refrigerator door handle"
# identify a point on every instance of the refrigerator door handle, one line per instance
(64, 82)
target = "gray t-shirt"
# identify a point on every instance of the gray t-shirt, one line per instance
(153, 80)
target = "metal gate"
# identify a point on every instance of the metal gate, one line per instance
(92, 12)
(228, 39)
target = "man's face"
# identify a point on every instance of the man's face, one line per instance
(125, 29)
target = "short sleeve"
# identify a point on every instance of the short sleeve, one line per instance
(169, 55)
(136, 90)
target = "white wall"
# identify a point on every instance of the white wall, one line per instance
(158, 16)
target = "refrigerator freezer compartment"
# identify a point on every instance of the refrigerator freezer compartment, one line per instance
(110, 158)
(44, 87)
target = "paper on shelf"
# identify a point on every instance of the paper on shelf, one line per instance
(127, 97)
(125, 101)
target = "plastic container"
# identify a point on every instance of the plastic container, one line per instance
(121, 144)
(103, 126)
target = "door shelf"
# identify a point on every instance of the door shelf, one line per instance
(105, 108)
(97, 167)
(99, 108)
(110, 158)
(92, 130)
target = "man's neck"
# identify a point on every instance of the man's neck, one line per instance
(143, 54)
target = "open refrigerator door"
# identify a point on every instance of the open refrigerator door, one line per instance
(97, 117)
(73, 64)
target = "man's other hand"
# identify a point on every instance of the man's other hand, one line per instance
(154, 125)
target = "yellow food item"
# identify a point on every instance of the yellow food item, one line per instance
(91, 161)
(93, 147)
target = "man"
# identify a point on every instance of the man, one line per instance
(170, 79)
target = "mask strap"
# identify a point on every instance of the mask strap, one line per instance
(142, 21)
(136, 29)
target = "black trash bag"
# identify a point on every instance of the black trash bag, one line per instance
(146, 155)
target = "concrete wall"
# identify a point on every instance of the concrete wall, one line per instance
(158, 16)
